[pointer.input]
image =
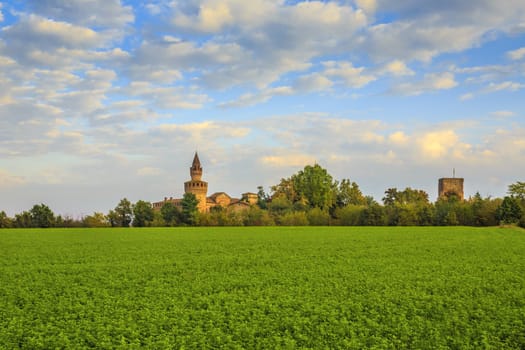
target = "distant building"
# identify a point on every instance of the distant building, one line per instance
(200, 189)
(451, 186)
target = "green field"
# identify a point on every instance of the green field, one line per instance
(266, 288)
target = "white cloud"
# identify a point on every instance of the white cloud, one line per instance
(369, 6)
(397, 68)
(262, 96)
(1, 14)
(213, 16)
(516, 54)
(417, 40)
(288, 160)
(272, 38)
(466, 97)
(503, 114)
(431, 82)
(153, 9)
(149, 171)
(8, 180)
(312, 82)
(35, 30)
(352, 76)
(437, 144)
(504, 86)
(398, 138)
(99, 13)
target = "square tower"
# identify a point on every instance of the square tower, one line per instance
(451, 186)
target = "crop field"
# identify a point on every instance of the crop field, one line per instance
(263, 288)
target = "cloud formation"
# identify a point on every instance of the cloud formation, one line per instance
(389, 93)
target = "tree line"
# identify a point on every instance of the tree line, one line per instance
(309, 197)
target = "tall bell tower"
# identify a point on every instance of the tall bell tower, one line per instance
(196, 186)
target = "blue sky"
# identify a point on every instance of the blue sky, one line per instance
(105, 99)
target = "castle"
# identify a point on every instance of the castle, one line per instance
(446, 187)
(200, 189)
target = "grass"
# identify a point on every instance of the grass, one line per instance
(276, 287)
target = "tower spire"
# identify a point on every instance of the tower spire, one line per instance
(196, 161)
(196, 169)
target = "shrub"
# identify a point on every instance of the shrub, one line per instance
(318, 217)
(296, 218)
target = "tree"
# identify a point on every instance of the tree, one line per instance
(169, 213)
(373, 215)
(316, 186)
(285, 189)
(42, 216)
(122, 215)
(190, 212)
(445, 211)
(280, 205)
(407, 196)
(142, 214)
(391, 196)
(5, 221)
(262, 198)
(95, 220)
(517, 190)
(23, 220)
(349, 193)
(509, 212)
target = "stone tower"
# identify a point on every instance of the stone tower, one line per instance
(196, 186)
(451, 186)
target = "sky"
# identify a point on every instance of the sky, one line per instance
(106, 99)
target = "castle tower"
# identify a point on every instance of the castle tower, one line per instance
(449, 186)
(196, 186)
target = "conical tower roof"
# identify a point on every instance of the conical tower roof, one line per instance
(196, 162)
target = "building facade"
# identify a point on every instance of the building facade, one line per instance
(200, 189)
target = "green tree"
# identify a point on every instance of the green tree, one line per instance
(170, 213)
(316, 186)
(509, 212)
(373, 215)
(42, 216)
(444, 206)
(517, 190)
(122, 215)
(391, 196)
(5, 221)
(142, 214)
(23, 220)
(425, 214)
(407, 196)
(262, 198)
(95, 220)
(406, 214)
(190, 211)
(285, 189)
(280, 205)
(349, 193)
